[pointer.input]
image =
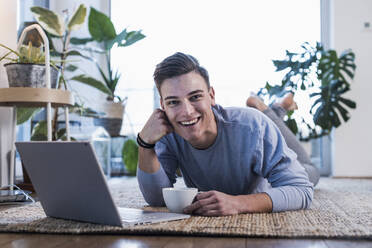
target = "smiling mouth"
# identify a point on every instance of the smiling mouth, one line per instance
(189, 123)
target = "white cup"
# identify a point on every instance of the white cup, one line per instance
(176, 199)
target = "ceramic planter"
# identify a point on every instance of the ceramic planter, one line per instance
(29, 75)
(113, 118)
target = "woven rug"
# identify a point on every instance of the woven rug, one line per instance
(342, 208)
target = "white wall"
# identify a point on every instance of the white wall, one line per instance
(8, 31)
(353, 140)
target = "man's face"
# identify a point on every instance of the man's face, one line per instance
(187, 102)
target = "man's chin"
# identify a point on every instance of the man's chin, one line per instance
(189, 137)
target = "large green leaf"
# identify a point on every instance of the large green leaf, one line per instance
(50, 21)
(24, 114)
(77, 18)
(100, 26)
(94, 83)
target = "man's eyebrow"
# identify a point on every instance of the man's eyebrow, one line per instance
(195, 91)
(191, 93)
(170, 97)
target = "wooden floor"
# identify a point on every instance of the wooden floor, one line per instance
(61, 241)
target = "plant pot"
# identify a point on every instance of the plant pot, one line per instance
(113, 118)
(30, 75)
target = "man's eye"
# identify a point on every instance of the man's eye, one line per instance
(172, 103)
(195, 97)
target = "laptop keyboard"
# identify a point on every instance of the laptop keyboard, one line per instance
(137, 216)
(134, 215)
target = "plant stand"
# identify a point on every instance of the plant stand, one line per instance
(33, 97)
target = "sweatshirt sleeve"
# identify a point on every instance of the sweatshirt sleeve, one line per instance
(291, 188)
(151, 184)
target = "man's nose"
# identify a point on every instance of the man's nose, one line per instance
(188, 108)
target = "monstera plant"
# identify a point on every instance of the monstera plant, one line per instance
(103, 32)
(326, 77)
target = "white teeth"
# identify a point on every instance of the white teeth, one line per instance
(189, 122)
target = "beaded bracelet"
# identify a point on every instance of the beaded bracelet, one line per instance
(144, 144)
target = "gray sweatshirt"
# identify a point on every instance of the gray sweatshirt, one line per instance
(248, 156)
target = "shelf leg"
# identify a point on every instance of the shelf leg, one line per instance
(49, 121)
(67, 118)
(12, 153)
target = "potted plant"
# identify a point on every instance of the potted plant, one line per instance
(103, 32)
(28, 70)
(325, 76)
(27, 67)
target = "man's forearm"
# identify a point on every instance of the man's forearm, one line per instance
(147, 160)
(255, 203)
(151, 178)
(214, 203)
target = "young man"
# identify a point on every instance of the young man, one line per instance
(237, 157)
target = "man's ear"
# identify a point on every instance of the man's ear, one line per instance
(212, 96)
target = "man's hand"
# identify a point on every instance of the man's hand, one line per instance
(214, 203)
(156, 127)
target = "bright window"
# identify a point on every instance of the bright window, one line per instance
(235, 41)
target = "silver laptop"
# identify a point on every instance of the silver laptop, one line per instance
(70, 185)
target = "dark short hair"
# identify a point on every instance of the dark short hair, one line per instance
(176, 65)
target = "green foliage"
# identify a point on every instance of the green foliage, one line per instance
(102, 30)
(325, 74)
(100, 26)
(30, 54)
(130, 156)
(78, 18)
(59, 30)
(24, 114)
(26, 54)
(49, 20)
(39, 132)
(93, 82)
(84, 111)
(53, 23)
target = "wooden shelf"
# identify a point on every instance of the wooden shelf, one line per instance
(34, 97)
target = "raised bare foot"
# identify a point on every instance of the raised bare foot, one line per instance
(255, 102)
(287, 102)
